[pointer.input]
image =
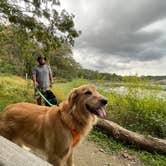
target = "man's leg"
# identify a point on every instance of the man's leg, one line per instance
(37, 97)
(39, 101)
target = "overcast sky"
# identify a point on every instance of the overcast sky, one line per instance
(119, 36)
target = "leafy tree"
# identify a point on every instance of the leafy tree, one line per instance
(19, 51)
(36, 26)
(41, 19)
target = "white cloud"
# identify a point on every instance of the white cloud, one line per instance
(156, 26)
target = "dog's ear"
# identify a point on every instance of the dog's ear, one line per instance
(72, 99)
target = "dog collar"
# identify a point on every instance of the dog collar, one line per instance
(76, 137)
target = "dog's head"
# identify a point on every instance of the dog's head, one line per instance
(88, 99)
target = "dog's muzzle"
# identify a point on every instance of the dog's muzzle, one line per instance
(99, 111)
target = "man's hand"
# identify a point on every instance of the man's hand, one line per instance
(51, 83)
(36, 84)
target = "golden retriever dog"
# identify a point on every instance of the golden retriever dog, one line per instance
(56, 130)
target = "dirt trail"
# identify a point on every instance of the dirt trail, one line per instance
(88, 154)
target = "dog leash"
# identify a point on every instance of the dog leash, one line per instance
(43, 97)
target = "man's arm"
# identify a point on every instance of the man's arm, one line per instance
(34, 78)
(50, 75)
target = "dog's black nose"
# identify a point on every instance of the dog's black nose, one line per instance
(103, 101)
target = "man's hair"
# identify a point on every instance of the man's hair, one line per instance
(40, 57)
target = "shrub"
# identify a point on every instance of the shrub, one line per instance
(139, 110)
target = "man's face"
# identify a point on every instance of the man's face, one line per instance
(42, 61)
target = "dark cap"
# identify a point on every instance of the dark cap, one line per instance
(41, 57)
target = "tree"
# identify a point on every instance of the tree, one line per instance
(19, 51)
(30, 15)
(37, 26)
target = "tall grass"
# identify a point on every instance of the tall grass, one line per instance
(139, 110)
(14, 89)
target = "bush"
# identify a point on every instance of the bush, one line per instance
(139, 110)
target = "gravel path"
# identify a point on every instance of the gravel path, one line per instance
(88, 154)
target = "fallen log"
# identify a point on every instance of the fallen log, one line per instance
(148, 143)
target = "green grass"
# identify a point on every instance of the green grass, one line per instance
(62, 90)
(14, 89)
(6, 66)
(151, 159)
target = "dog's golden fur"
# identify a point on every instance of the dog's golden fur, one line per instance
(50, 128)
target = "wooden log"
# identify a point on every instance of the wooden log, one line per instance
(13, 155)
(148, 143)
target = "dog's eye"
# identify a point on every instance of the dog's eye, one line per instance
(88, 93)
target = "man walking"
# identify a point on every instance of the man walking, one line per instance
(42, 77)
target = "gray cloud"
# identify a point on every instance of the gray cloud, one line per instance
(114, 29)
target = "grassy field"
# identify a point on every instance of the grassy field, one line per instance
(145, 114)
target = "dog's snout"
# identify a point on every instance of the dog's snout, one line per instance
(103, 101)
